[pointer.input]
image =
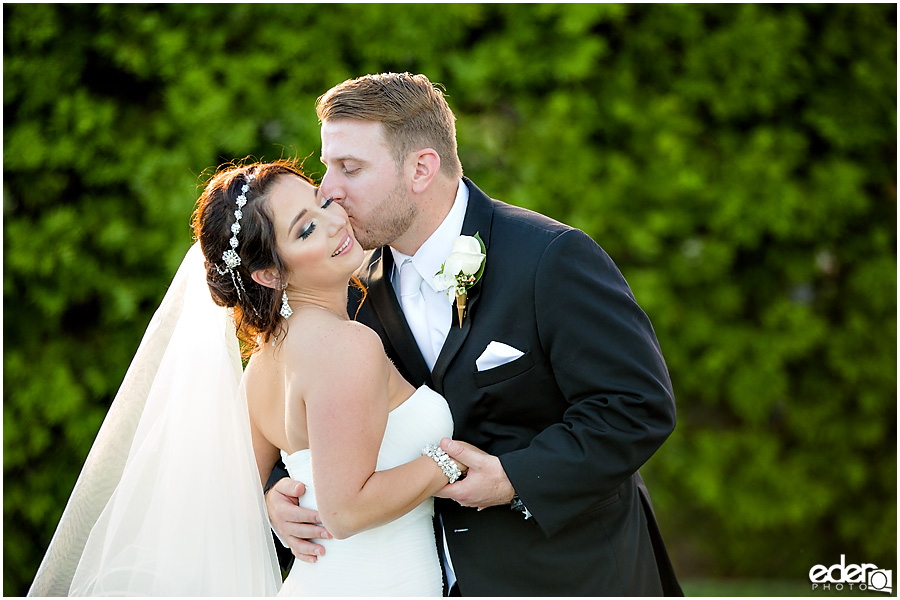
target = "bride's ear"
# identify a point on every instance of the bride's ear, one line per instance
(267, 277)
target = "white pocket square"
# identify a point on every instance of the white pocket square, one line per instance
(496, 354)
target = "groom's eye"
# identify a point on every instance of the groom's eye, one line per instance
(328, 202)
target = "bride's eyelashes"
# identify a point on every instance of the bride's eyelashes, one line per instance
(308, 231)
(312, 225)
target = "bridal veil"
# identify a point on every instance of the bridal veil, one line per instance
(169, 501)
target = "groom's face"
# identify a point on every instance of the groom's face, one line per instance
(362, 176)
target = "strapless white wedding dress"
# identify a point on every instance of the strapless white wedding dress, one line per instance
(396, 559)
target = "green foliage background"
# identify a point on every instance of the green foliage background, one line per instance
(738, 162)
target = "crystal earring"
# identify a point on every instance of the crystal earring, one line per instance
(286, 311)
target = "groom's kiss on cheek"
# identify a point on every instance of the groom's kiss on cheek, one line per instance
(363, 175)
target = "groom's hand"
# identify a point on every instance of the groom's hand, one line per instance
(297, 526)
(485, 484)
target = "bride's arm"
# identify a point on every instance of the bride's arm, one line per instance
(346, 410)
(266, 453)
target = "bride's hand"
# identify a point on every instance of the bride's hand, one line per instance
(297, 526)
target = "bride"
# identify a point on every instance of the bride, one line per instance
(169, 501)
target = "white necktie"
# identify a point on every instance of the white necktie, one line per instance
(413, 304)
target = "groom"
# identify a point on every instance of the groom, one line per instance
(554, 375)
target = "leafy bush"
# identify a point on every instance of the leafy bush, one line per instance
(738, 162)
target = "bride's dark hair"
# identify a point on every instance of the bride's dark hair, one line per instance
(256, 307)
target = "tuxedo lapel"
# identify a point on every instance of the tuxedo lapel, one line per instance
(387, 309)
(479, 214)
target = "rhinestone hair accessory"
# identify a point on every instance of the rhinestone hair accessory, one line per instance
(230, 257)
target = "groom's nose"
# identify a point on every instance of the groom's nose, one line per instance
(330, 188)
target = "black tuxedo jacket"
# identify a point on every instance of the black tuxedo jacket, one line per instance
(571, 420)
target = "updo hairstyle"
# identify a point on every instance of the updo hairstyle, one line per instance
(256, 307)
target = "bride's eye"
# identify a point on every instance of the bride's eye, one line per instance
(312, 226)
(308, 231)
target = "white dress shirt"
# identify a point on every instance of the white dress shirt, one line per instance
(428, 260)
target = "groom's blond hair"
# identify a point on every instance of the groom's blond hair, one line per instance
(412, 110)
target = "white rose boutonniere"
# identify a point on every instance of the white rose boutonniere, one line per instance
(462, 269)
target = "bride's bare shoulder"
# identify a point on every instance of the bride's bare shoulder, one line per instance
(331, 344)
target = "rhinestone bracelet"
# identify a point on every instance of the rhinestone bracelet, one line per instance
(447, 464)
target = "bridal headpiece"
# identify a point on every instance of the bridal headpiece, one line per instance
(230, 257)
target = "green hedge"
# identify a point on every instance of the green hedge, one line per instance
(738, 162)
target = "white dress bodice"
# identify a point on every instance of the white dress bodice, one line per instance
(396, 559)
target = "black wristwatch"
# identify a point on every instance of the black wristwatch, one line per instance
(519, 506)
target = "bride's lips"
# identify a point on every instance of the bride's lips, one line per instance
(345, 246)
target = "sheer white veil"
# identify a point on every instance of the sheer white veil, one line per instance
(169, 502)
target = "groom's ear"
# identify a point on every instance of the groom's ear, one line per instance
(267, 277)
(426, 164)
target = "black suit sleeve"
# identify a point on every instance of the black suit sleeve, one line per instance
(608, 364)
